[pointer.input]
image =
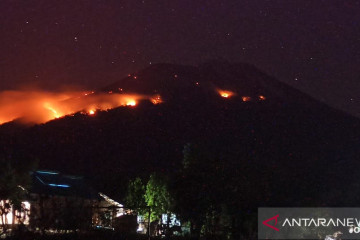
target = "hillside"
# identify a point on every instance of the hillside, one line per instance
(268, 132)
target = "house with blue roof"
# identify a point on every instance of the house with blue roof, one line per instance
(59, 202)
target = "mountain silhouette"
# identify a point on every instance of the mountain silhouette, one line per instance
(305, 150)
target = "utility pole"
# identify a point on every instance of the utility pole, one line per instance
(149, 223)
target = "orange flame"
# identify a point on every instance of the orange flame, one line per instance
(246, 98)
(47, 106)
(262, 98)
(156, 99)
(41, 106)
(131, 103)
(225, 93)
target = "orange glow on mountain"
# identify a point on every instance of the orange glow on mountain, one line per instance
(131, 103)
(156, 99)
(34, 106)
(246, 98)
(225, 93)
(48, 106)
(262, 98)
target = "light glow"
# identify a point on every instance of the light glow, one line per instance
(40, 106)
(59, 185)
(262, 98)
(21, 217)
(225, 93)
(156, 99)
(246, 98)
(131, 103)
(119, 210)
(47, 172)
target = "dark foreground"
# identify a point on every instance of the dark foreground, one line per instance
(102, 236)
(82, 236)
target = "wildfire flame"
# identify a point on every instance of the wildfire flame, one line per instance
(156, 99)
(131, 103)
(246, 98)
(47, 106)
(41, 106)
(225, 93)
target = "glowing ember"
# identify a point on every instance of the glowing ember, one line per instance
(156, 99)
(92, 112)
(246, 98)
(225, 93)
(262, 98)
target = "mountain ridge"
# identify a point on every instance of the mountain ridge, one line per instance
(287, 130)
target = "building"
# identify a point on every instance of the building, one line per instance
(60, 203)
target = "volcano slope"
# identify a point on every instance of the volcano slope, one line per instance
(279, 145)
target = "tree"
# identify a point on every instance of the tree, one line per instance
(157, 197)
(153, 196)
(197, 189)
(135, 196)
(13, 185)
(211, 190)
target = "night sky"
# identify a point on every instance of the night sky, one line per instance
(312, 45)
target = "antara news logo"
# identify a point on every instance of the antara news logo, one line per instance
(309, 223)
(270, 219)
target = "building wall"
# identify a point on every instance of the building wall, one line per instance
(9, 216)
(61, 213)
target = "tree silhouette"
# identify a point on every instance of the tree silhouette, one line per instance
(157, 197)
(13, 185)
(135, 196)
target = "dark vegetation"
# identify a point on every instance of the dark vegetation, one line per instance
(221, 158)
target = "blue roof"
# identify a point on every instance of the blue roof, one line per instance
(57, 184)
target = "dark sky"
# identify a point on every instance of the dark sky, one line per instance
(313, 45)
